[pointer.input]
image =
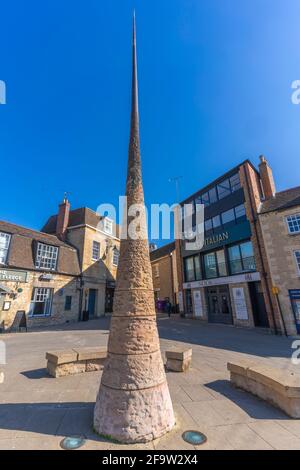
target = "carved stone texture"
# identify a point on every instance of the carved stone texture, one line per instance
(133, 403)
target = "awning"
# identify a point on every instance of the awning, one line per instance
(5, 289)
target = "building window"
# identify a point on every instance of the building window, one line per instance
(46, 257)
(68, 302)
(241, 258)
(235, 183)
(95, 250)
(205, 199)
(197, 266)
(208, 225)
(215, 264)
(228, 216)
(189, 269)
(297, 256)
(4, 245)
(240, 211)
(116, 255)
(216, 221)
(293, 222)
(156, 270)
(224, 189)
(213, 195)
(108, 226)
(222, 270)
(210, 265)
(41, 301)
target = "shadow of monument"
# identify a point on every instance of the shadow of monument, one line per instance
(55, 419)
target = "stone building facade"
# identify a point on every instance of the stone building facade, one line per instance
(229, 280)
(279, 218)
(39, 277)
(96, 239)
(164, 274)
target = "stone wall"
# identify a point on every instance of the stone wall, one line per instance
(280, 247)
(62, 286)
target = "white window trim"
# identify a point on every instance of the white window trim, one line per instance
(110, 223)
(99, 247)
(38, 259)
(43, 315)
(8, 237)
(114, 253)
(296, 260)
(288, 226)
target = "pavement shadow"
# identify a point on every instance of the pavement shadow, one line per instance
(56, 419)
(35, 373)
(257, 342)
(254, 406)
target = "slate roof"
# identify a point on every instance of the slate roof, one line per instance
(281, 201)
(21, 253)
(162, 251)
(81, 216)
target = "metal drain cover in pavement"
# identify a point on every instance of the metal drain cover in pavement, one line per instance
(72, 442)
(194, 437)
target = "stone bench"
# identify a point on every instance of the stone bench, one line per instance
(280, 387)
(178, 360)
(75, 361)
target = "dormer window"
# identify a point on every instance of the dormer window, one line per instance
(46, 257)
(4, 245)
(108, 226)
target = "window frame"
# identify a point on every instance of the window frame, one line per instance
(40, 257)
(97, 244)
(115, 251)
(241, 258)
(69, 305)
(5, 250)
(108, 222)
(48, 301)
(293, 232)
(297, 259)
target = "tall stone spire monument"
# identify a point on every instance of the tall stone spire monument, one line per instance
(133, 403)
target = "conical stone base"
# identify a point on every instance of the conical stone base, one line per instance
(134, 415)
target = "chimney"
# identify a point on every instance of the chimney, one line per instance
(63, 219)
(267, 180)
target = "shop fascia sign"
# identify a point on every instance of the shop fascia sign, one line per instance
(247, 277)
(12, 275)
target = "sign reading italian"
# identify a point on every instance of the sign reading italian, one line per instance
(12, 275)
(198, 309)
(241, 310)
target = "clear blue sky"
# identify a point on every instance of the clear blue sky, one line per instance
(214, 88)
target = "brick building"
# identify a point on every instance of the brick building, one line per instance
(229, 279)
(164, 273)
(39, 275)
(96, 239)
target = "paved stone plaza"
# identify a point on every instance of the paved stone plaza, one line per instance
(37, 411)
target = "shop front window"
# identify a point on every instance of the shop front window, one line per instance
(210, 265)
(221, 263)
(241, 258)
(189, 269)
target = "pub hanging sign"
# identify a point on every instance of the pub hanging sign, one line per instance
(12, 275)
